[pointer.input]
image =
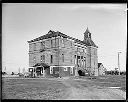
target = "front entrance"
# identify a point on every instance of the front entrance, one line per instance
(81, 73)
(40, 71)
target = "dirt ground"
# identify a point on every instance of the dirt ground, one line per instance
(76, 91)
(58, 89)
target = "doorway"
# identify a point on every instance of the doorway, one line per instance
(81, 73)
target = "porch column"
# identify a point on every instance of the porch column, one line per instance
(34, 71)
(43, 72)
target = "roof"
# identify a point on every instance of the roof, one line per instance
(41, 64)
(89, 42)
(55, 34)
(87, 31)
(99, 64)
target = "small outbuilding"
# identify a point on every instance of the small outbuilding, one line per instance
(101, 69)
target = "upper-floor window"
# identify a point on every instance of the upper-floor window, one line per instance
(78, 49)
(30, 47)
(70, 43)
(83, 50)
(85, 61)
(53, 42)
(62, 42)
(34, 46)
(42, 44)
(57, 42)
(42, 58)
(34, 60)
(71, 60)
(51, 58)
(62, 57)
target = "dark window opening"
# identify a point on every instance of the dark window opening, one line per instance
(51, 58)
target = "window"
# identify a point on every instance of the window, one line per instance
(42, 44)
(51, 43)
(51, 70)
(71, 43)
(57, 42)
(79, 63)
(62, 57)
(43, 58)
(30, 47)
(71, 60)
(30, 69)
(85, 61)
(34, 46)
(62, 41)
(83, 50)
(71, 70)
(65, 69)
(34, 60)
(51, 58)
(75, 59)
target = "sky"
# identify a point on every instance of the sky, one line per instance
(23, 22)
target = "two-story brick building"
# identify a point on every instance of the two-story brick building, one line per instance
(60, 55)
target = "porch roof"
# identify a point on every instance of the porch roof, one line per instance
(42, 64)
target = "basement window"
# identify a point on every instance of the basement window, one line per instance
(65, 69)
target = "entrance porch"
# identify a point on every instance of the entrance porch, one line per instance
(38, 70)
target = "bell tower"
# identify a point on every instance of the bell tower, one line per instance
(87, 34)
(91, 54)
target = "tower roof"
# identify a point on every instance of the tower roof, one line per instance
(87, 31)
(87, 38)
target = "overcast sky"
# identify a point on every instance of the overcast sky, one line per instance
(24, 22)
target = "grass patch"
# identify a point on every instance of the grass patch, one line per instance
(105, 81)
(17, 88)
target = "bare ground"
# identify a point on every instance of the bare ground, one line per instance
(59, 89)
(77, 92)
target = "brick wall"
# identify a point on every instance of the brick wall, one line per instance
(66, 47)
(92, 60)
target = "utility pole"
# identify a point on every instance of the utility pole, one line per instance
(119, 62)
